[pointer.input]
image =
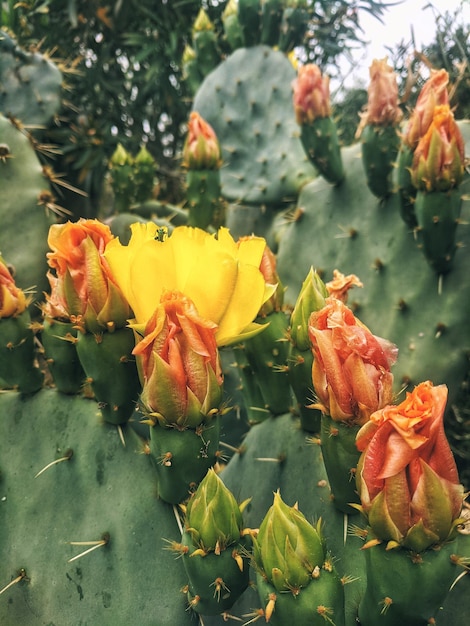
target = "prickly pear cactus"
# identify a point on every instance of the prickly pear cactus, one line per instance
(24, 213)
(277, 454)
(403, 298)
(101, 499)
(247, 99)
(30, 83)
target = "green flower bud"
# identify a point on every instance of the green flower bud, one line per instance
(231, 8)
(311, 298)
(213, 517)
(202, 22)
(121, 156)
(188, 55)
(288, 549)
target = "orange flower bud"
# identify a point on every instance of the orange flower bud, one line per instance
(407, 476)
(82, 285)
(201, 150)
(438, 162)
(182, 376)
(351, 367)
(341, 284)
(311, 94)
(12, 299)
(382, 106)
(433, 94)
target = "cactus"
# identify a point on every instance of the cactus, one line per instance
(59, 340)
(30, 84)
(317, 129)
(205, 44)
(264, 162)
(403, 299)
(379, 129)
(290, 555)
(215, 548)
(132, 178)
(26, 199)
(111, 371)
(97, 514)
(201, 157)
(101, 489)
(278, 454)
(18, 366)
(232, 30)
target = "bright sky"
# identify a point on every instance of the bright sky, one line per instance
(398, 21)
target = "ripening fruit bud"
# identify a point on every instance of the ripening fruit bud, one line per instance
(213, 517)
(288, 548)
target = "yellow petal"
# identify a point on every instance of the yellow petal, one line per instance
(152, 271)
(251, 250)
(120, 258)
(246, 301)
(249, 331)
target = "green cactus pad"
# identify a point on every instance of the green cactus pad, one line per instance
(300, 377)
(25, 224)
(232, 30)
(320, 603)
(249, 17)
(111, 371)
(438, 213)
(320, 141)
(293, 27)
(59, 339)
(277, 454)
(271, 21)
(247, 100)
(203, 197)
(406, 189)
(340, 455)
(30, 84)
(182, 457)
(267, 355)
(17, 354)
(403, 299)
(380, 146)
(105, 487)
(216, 580)
(403, 588)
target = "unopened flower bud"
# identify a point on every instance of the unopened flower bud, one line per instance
(438, 162)
(12, 299)
(288, 548)
(311, 94)
(311, 298)
(213, 517)
(201, 150)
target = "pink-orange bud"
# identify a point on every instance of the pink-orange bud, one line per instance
(311, 94)
(201, 150)
(12, 299)
(351, 367)
(382, 106)
(433, 94)
(180, 364)
(438, 162)
(407, 476)
(82, 285)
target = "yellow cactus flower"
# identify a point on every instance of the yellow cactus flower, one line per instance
(223, 279)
